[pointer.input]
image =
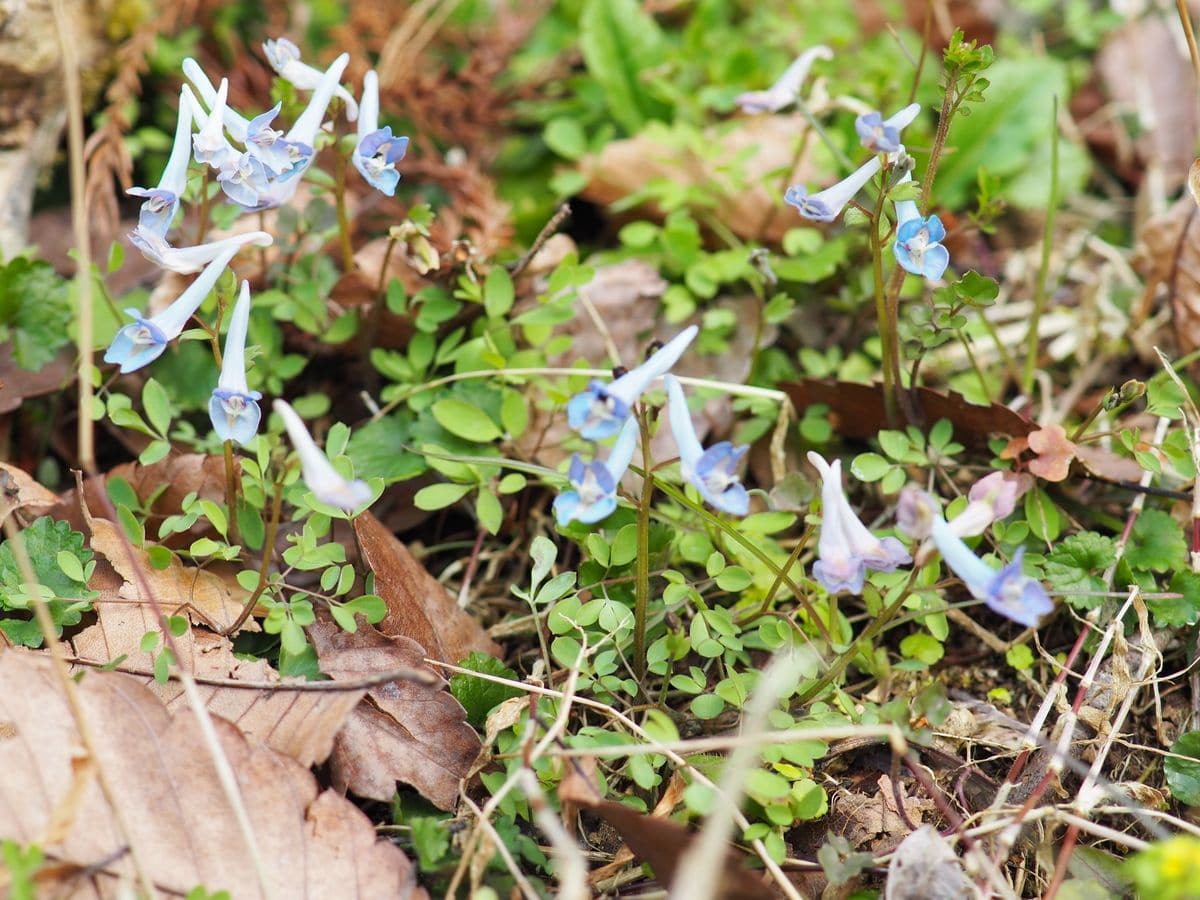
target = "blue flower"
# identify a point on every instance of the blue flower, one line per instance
(161, 202)
(233, 407)
(784, 91)
(235, 123)
(594, 485)
(847, 548)
(918, 248)
(377, 151)
(601, 410)
(1008, 591)
(881, 135)
(244, 179)
(284, 57)
(267, 145)
(326, 483)
(713, 472)
(186, 260)
(827, 205)
(142, 342)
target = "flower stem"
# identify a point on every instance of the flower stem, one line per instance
(1039, 291)
(641, 602)
(342, 218)
(231, 486)
(265, 571)
(885, 316)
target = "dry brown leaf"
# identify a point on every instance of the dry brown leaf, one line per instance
(1168, 252)
(18, 490)
(419, 606)
(1054, 453)
(16, 383)
(205, 596)
(873, 822)
(311, 845)
(764, 148)
(301, 725)
(402, 732)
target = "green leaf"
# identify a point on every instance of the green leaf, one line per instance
(1077, 563)
(155, 452)
(869, 467)
(45, 539)
(619, 42)
(157, 405)
(1009, 135)
(465, 420)
(488, 510)
(439, 496)
(477, 695)
(1175, 613)
(498, 294)
(566, 137)
(922, 647)
(36, 310)
(1183, 775)
(1042, 515)
(707, 706)
(1156, 543)
(376, 452)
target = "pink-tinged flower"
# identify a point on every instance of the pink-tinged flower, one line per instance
(786, 90)
(320, 477)
(847, 548)
(1006, 591)
(990, 499)
(827, 205)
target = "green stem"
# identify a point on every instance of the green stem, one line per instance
(342, 218)
(231, 486)
(888, 345)
(641, 602)
(868, 635)
(1039, 292)
(264, 571)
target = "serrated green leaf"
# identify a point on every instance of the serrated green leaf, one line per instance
(1156, 543)
(36, 310)
(1183, 769)
(477, 695)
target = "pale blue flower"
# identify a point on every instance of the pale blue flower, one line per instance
(594, 485)
(233, 407)
(918, 245)
(235, 123)
(161, 202)
(319, 475)
(210, 145)
(1007, 591)
(827, 205)
(244, 179)
(269, 146)
(377, 151)
(284, 57)
(142, 342)
(713, 472)
(186, 260)
(881, 135)
(784, 91)
(847, 548)
(601, 410)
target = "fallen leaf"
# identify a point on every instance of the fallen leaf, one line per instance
(763, 149)
(18, 490)
(299, 724)
(660, 843)
(204, 595)
(181, 825)
(925, 868)
(1168, 252)
(403, 732)
(873, 821)
(419, 606)
(16, 383)
(858, 411)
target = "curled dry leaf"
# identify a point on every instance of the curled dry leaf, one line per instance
(925, 868)
(405, 732)
(16, 383)
(1168, 253)
(19, 491)
(873, 821)
(419, 606)
(301, 725)
(312, 845)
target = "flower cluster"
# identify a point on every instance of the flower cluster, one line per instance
(603, 410)
(847, 548)
(258, 167)
(917, 246)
